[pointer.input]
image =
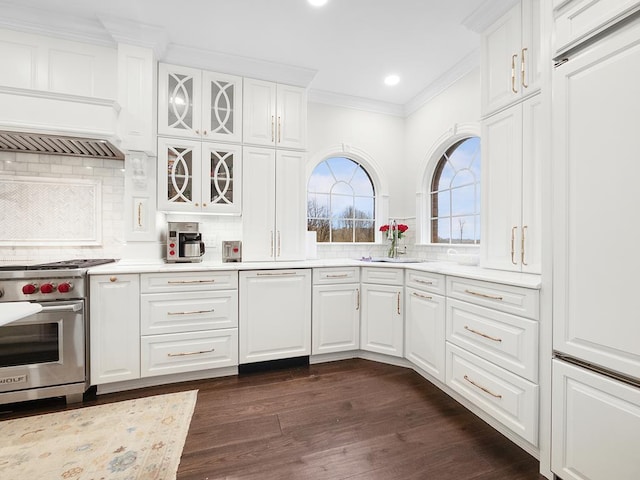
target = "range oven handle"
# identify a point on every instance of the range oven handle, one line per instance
(75, 307)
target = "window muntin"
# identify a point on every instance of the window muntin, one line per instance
(341, 202)
(455, 194)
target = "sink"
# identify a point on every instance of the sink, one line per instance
(397, 260)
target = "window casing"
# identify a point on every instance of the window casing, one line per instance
(455, 194)
(341, 202)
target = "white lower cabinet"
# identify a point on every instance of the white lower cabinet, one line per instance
(336, 310)
(114, 328)
(275, 314)
(382, 329)
(595, 426)
(188, 322)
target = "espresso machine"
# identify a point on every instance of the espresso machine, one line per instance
(184, 242)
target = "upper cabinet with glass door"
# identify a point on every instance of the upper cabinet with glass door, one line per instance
(199, 104)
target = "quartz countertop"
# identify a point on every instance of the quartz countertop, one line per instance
(12, 311)
(133, 266)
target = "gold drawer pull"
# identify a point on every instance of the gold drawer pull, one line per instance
(415, 294)
(173, 282)
(425, 282)
(184, 354)
(484, 389)
(495, 339)
(342, 275)
(191, 313)
(483, 295)
(274, 274)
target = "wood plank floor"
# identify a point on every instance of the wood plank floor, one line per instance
(353, 419)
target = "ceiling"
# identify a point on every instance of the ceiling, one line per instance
(344, 49)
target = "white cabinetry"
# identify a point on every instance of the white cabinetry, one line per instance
(336, 310)
(596, 426)
(274, 205)
(114, 328)
(511, 66)
(189, 322)
(199, 104)
(274, 115)
(511, 187)
(275, 314)
(492, 351)
(382, 322)
(424, 322)
(201, 177)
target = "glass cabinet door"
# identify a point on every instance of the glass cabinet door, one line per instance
(222, 178)
(222, 107)
(179, 180)
(179, 101)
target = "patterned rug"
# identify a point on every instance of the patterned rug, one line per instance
(138, 439)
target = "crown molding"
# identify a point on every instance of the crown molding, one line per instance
(238, 65)
(138, 34)
(455, 73)
(357, 103)
(487, 13)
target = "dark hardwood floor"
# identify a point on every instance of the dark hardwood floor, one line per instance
(352, 419)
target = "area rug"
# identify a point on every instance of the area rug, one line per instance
(138, 439)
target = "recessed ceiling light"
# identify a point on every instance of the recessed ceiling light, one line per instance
(318, 3)
(392, 80)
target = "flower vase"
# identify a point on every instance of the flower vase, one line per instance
(393, 248)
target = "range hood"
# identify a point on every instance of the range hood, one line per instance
(47, 144)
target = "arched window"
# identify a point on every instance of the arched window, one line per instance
(455, 194)
(341, 202)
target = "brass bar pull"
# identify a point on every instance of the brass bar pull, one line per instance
(483, 295)
(495, 339)
(342, 275)
(279, 129)
(357, 299)
(425, 282)
(274, 274)
(272, 250)
(513, 73)
(174, 282)
(523, 70)
(184, 354)
(419, 295)
(524, 230)
(191, 313)
(513, 245)
(484, 389)
(398, 303)
(140, 214)
(279, 243)
(273, 128)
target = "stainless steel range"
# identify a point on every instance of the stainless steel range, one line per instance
(45, 355)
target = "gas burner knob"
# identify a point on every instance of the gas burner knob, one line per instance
(47, 288)
(30, 289)
(65, 287)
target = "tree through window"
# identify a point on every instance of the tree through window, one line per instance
(455, 194)
(341, 202)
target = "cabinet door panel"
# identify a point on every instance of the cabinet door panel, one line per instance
(221, 178)
(424, 331)
(382, 327)
(179, 181)
(259, 113)
(336, 318)
(290, 198)
(222, 102)
(291, 117)
(179, 101)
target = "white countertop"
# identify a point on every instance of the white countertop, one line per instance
(446, 268)
(12, 311)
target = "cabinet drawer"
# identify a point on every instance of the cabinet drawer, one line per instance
(188, 352)
(509, 398)
(510, 342)
(506, 298)
(324, 276)
(188, 312)
(187, 281)
(429, 282)
(383, 276)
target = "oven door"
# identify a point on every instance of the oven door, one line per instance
(45, 349)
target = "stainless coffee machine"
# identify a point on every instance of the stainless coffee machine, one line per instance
(184, 242)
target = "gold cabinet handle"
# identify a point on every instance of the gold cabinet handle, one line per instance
(274, 274)
(523, 69)
(483, 295)
(425, 282)
(139, 214)
(273, 252)
(113, 279)
(398, 303)
(513, 245)
(484, 389)
(357, 299)
(182, 282)
(342, 275)
(273, 128)
(522, 240)
(191, 313)
(419, 295)
(183, 354)
(279, 129)
(495, 339)
(279, 250)
(513, 73)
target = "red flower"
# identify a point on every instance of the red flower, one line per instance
(402, 227)
(384, 228)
